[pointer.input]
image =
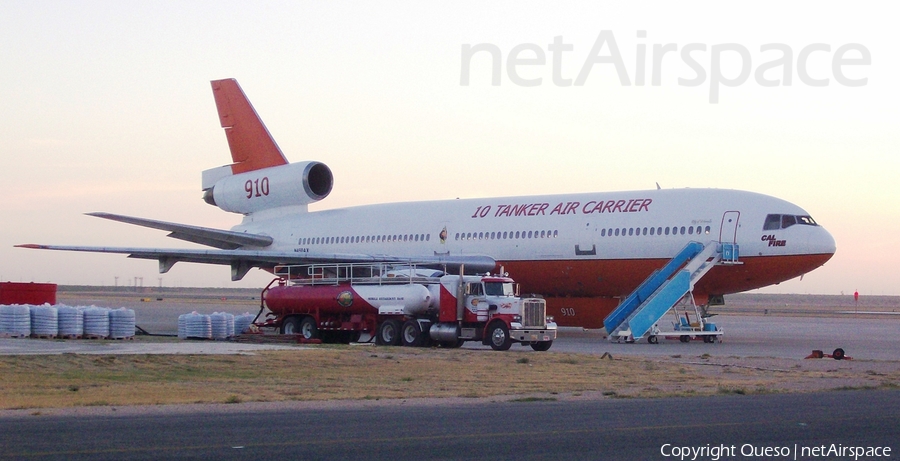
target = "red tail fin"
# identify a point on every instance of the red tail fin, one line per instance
(252, 147)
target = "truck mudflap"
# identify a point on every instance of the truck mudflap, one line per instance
(532, 334)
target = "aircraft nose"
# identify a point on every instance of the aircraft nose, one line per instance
(821, 242)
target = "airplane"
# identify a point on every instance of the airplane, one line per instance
(583, 252)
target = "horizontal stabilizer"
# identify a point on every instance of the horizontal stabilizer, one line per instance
(243, 260)
(217, 238)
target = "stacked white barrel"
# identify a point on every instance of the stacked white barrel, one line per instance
(62, 321)
(44, 321)
(230, 327)
(96, 322)
(222, 325)
(182, 326)
(15, 320)
(121, 323)
(71, 322)
(242, 323)
(198, 326)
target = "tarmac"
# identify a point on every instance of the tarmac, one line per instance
(778, 326)
(744, 336)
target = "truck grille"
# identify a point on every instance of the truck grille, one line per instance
(534, 313)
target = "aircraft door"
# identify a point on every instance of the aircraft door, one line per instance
(585, 245)
(729, 227)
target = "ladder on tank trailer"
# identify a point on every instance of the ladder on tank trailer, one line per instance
(638, 314)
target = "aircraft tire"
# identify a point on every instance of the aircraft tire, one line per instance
(652, 339)
(838, 354)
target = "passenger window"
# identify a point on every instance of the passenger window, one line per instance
(682, 230)
(603, 232)
(617, 232)
(788, 221)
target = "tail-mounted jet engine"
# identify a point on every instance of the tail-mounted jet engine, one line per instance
(293, 184)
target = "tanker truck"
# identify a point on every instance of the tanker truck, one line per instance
(408, 307)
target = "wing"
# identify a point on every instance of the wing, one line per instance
(241, 261)
(226, 240)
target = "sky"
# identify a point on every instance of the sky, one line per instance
(107, 106)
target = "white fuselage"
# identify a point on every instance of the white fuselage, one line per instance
(593, 235)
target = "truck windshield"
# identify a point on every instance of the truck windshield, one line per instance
(498, 289)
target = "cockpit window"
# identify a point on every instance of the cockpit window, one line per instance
(788, 221)
(783, 221)
(807, 220)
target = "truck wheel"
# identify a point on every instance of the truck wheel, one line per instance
(541, 346)
(838, 354)
(498, 334)
(411, 334)
(290, 326)
(308, 328)
(388, 333)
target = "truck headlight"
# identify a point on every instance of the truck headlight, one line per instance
(517, 318)
(550, 319)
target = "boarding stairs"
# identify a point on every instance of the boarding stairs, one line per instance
(659, 293)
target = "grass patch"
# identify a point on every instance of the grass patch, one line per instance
(332, 373)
